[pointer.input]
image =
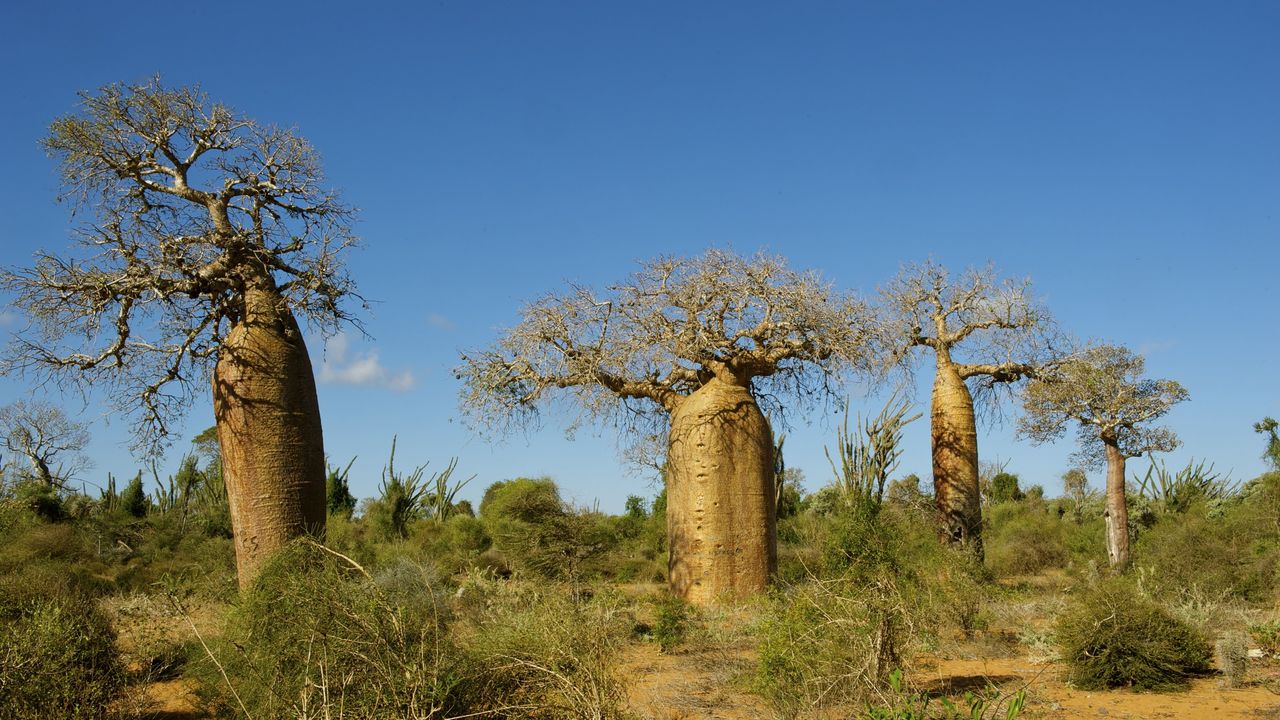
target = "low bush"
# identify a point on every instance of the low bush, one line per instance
(539, 652)
(315, 635)
(1023, 539)
(57, 659)
(1111, 636)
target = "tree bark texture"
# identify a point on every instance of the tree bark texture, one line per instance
(955, 459)
(720, 496)
(1117, 513)
(268, 418)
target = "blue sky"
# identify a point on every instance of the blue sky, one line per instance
(1124, 156)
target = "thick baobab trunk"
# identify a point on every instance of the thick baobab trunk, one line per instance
(268, 417)
(720, 495)
(1117, 513)
(955, 458)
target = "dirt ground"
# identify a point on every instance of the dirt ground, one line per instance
(708, 684)
(702, 685)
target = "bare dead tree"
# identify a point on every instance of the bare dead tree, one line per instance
(1102, 389)
(49, 441)
(698, 345)
(204, 233)
(984, 333)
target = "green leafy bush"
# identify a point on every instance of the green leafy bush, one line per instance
(1111, 636)
(57, 659)
(672, 617)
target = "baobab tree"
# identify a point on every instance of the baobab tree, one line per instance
(701, 346)
(205, 234)
(983, 333)
(46, 439)
(1103, 390)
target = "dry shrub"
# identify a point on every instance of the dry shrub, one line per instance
(828, 642)
(1111, 636)
(541, 651)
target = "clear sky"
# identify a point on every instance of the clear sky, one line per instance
(1124, 156)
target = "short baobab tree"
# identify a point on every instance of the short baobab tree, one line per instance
(205, 234)
(1102, 390)
(44, 437)
(983, 333)
(700, 345)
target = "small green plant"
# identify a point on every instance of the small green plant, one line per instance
(133, 500)
(671, 623)
(1111, 636)
(1267, 636)
(338, 498)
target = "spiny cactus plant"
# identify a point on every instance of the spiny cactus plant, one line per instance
(1232, 655)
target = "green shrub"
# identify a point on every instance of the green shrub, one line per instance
(40, 499)
(57, 659)
(1023, 539)
(671, 622)
(316, 636)
(1111, 636)
(536, 533)
(1004, 488)
(1234, 556)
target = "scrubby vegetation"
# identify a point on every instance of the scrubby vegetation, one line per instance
(530, 607)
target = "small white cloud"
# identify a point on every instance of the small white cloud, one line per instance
(8, 318)
(440, 322)
(360, 369)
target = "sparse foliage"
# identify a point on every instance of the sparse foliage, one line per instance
(205, 234)
(1102, 390)
(187, 205)
(1267, 426)
(703, 344)
(983, 333)
(43, 437)
(627, 354)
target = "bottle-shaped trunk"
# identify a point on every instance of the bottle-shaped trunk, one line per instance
(268, 418)
(955, 459)
(720, 496)
(1117, 512)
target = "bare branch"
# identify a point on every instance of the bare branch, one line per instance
(188, 205)
(659, 337)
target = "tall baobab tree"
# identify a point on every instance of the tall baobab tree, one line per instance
(1103, 390)
(699, 345)
(205, 233)
(983, 333)
(46, 438)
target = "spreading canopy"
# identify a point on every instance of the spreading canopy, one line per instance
(994, 330)
(633, 351)
(1103, 390)
(186, 206)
